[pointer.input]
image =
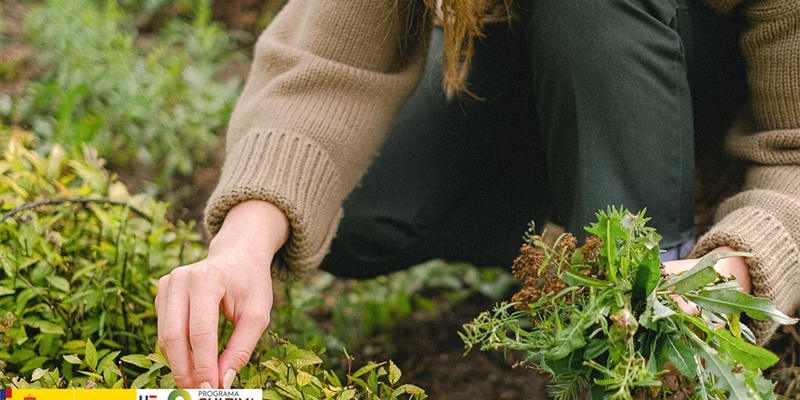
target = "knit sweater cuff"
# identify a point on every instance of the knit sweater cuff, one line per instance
(757, 228)
(313, 208)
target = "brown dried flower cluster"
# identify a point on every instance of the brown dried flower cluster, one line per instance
(537, 278)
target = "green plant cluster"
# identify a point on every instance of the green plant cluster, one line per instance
(153, 98)
(78, 257)
(604, 316)
(283, 372)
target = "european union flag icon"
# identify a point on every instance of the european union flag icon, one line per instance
(5, 394)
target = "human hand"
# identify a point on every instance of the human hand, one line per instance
(234, 279)
(729, 266)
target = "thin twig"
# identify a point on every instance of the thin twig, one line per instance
(53, 307)
(81, 200)
(124, 377)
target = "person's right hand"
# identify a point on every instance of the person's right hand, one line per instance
(234, 279)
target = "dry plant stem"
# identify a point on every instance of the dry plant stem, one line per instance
(80, 200)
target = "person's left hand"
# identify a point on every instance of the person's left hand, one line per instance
(729, 266)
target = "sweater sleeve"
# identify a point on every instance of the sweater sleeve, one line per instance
(327, 79)
(764, 218)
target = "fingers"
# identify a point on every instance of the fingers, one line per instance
(248, 329)
(203, 323)
(188, 315)
(172, 307)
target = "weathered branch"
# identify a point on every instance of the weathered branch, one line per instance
(80, 200)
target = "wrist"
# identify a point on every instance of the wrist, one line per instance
(255, 226)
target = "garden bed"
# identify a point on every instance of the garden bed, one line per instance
(425, 345)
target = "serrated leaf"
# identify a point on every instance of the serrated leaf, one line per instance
(750, 356)
(734, 302)
(301, 358)
(727, 380)
(763, 386)
(654, 311)
(609, 227)
(304, 378)
(682, 357)
(138, 360)
(566, 341)
(158, 358)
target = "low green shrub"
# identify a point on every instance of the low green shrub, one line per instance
(78, 258)
(155, 98)
(284, 372)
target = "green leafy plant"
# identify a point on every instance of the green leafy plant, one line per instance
(78, 260)
(284, 372)
(156, 99)
(78, 257)
(605, 317)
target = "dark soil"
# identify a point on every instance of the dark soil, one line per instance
(431, 355)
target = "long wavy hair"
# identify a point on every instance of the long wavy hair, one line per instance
(463, 23)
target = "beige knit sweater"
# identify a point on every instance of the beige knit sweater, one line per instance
(329, 76)
(764, 218)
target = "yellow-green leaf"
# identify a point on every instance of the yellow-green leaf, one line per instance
(90, 357)
(394, 373)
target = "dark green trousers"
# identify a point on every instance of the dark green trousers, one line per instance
(588, 103)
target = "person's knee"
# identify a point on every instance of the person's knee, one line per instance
(369, 247)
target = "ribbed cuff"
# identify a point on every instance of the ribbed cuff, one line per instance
(750, 224)
(313, 207)
(773, 147)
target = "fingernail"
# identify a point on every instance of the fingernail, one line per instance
(205, 385)
(227, 381)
